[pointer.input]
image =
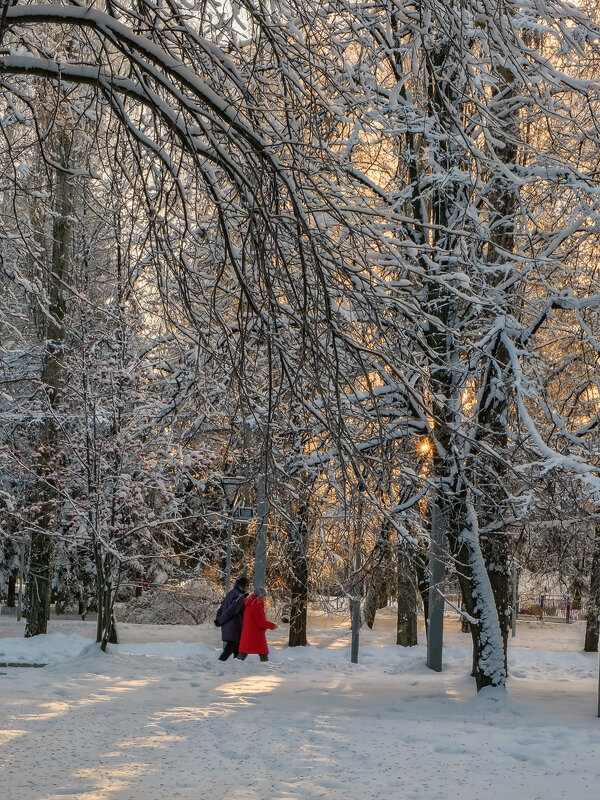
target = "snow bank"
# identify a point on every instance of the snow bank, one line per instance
(49, 649)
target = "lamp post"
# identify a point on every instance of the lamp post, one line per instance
(262, 514)
(231, 485)
(357, 588)
(355, 611)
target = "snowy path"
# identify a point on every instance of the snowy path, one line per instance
(153, 721)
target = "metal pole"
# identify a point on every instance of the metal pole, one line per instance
(228, 557)
(515, 601)
(355, 614)
(357, 589)
(262, 512)
(437, 569)
(231, 485)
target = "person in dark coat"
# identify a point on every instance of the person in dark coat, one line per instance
(254, 639)
(230, 617)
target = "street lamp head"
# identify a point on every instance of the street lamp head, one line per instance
(231, 485)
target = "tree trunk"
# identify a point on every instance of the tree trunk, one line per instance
(299, 579)
(406, 629)
(11, 598)
(99, 590)
(39, 584)
(378, 576)
(592, 626)
(493, 396)
(106, 631)
(454, 466)
(108, 593)
(495, 552)
(41, 567)
(478, 597)
(465, 625)
(420, 564)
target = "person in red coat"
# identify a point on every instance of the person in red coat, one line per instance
(254, 639)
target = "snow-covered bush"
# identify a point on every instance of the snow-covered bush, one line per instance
(192, 603)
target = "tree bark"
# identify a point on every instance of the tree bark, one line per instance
(378, 576)
(11, 598)
(476, 588)
(406, 628)
(421, 562)
(39, 584)
(483, 594)
(592, 626)
(41, 568)
(465, 625)
(108, 593)
(493, 395)
(299, 579)
(495, 552)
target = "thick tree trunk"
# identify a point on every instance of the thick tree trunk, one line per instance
(106, 631)
(299, 579)
(495, 552)
(465, 625)
(11, 597)
(406, 629)
(39, 584)
(493, 397)
(592, 626)
(41, 566)
(456, 467)
(378, 576)
(108, 592)
(298, 605)
(488, 647)
(376, 598)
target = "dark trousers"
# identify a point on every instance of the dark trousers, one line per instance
(229, 648)
(244, 656)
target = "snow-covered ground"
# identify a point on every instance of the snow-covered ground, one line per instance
(159, 717)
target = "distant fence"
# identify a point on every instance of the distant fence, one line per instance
(551, 607)
(555, 607)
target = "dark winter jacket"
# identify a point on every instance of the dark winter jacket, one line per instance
(254, 639)
(231, 614)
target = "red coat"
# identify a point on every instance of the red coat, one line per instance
(253, 638)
